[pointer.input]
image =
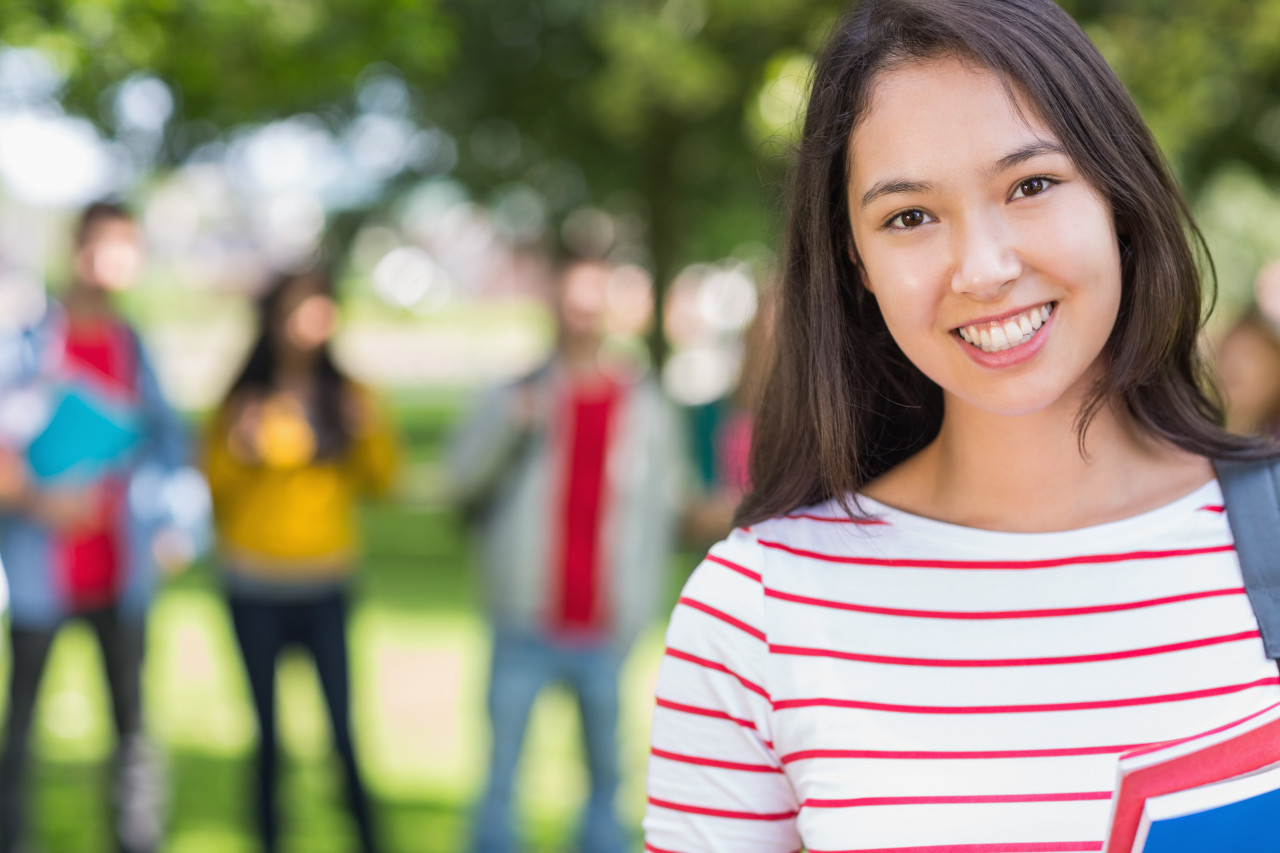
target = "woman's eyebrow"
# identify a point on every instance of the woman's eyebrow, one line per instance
(890, 187)
(1027, 152)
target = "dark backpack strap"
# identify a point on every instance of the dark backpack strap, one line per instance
(1251, 491)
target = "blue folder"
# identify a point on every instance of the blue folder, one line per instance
(1245, 826)
(87, 437)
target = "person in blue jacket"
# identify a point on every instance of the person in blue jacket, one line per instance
(95, 496)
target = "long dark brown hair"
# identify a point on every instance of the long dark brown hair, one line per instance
(843, 404)
(259, 376)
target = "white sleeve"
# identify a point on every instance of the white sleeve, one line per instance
(715, 782)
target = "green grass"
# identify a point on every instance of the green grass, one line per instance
(419, 647)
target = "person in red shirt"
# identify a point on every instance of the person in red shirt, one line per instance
(566, 473)
(75, 540)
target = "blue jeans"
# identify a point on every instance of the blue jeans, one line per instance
(523, 664)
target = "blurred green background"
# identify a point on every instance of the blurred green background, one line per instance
(419, 661)
(435, 147)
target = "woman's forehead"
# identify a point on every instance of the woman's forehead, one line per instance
(940, 114)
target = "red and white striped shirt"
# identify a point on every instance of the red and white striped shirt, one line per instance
(912, 686)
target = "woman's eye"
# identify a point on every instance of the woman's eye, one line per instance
(908, 219)
(1032, 186)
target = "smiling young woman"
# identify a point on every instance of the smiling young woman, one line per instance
(985, 551)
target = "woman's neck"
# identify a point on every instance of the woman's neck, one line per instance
(294, 371)
(1028, 473)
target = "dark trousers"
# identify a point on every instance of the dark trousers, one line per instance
(135, 813)
(264, 629)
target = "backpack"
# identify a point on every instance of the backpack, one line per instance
(1251, 492)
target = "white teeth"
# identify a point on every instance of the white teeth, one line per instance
(993, 337)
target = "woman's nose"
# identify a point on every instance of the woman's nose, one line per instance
(985, 258)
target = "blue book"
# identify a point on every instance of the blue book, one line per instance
(1239, 815)
(86, 437)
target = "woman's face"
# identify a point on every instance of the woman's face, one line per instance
(306, 316)
(1249, 370)
(995, 265)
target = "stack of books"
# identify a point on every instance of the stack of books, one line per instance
(1218, 792)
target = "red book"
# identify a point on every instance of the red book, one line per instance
(1223, 753)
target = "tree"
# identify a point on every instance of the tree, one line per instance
(229, 62)
(652, 102)
(678, 113)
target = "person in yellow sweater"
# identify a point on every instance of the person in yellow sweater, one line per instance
(289, 452)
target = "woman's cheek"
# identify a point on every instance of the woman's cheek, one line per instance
(908, 313)
(1084, 248)
(913, 300)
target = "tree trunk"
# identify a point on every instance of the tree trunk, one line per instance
(663, 233)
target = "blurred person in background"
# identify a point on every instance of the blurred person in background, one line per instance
(568, 475)
(721, 432)
(292, 448)
(92, 482)
(1248, 361)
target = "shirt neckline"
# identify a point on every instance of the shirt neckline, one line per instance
(1171, 515)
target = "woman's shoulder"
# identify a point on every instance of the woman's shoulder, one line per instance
(808, 542)
(854, 512)
(737, 554)
(849, 526)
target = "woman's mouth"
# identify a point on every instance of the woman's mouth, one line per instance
(1010, 332)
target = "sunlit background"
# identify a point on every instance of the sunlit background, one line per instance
(436, 149)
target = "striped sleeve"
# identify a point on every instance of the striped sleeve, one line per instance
(715, 782)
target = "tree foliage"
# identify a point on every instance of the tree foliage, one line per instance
(679, 112)
(229, 62)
